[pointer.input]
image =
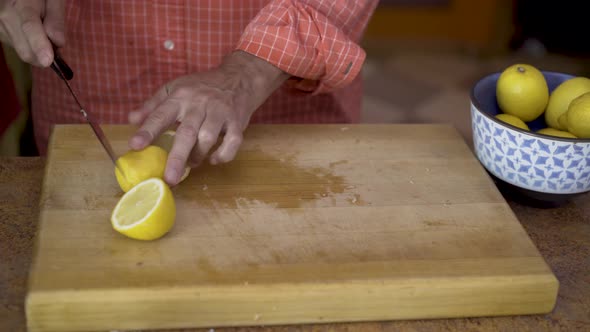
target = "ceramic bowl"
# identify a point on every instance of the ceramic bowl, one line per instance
(542, 168)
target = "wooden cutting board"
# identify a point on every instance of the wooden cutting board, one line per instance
(310, 223)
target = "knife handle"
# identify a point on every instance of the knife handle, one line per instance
(60, 66)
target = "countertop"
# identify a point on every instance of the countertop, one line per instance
(562, 234)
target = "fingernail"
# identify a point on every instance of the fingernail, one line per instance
(172, 176)
(137, 142)
(45, 59)
(213, 161)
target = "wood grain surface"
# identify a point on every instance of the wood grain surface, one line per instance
(314, 223)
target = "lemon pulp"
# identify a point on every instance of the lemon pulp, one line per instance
(146, 212)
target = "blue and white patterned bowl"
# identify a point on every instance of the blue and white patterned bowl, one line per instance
(545, 167)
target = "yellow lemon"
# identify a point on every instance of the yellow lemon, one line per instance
(146, 212)
(563, 120)
(577, 118)
(165, 141)
(136, 166)
(511, 119)
(562, 96)
(555, 132)
(522, 91)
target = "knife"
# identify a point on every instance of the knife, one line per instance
(65, 73)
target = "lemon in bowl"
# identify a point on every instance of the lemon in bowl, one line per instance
(513, 120)
(561, 97)
(521, 91)
(576, 119)
(535, 164)
(555, 132)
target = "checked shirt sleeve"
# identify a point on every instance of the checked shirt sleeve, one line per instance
(315, 41)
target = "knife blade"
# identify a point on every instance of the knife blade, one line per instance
(65, 73)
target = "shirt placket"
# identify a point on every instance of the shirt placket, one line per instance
(170, 38)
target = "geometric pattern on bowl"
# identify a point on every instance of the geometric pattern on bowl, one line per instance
(531, 162)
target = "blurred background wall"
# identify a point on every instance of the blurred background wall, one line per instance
(486, 25)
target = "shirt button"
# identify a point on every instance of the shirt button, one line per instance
(169, 45)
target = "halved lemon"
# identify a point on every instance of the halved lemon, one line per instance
(165, 141)
(137, 166)
(146, 212)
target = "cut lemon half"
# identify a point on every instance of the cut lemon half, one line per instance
(146, 212)
(137, 166)
(165, 141)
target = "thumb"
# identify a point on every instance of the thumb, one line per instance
(54, 22)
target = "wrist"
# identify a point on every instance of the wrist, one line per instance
(259, 78)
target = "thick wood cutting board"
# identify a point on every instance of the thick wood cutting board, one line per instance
(310, 223)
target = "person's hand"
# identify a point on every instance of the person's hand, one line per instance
(29, 25)
(206, 105)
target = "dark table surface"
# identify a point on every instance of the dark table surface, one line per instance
(562, 234)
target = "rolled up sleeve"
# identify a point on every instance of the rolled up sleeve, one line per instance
(314, 41)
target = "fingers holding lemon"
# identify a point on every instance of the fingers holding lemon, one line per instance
(166, 141)
(137, 166)
(523, 96)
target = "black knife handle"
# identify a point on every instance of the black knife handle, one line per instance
(60, 66)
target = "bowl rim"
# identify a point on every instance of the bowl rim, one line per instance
(479, 108)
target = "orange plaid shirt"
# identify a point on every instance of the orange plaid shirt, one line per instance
(123, 51)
